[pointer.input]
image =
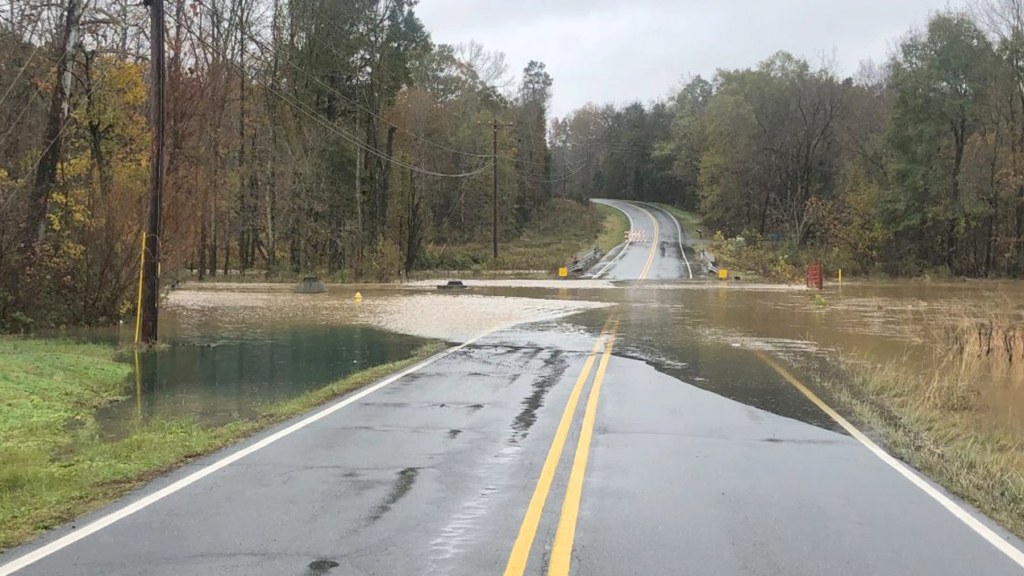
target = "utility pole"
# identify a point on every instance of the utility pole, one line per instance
(151, 269)
(495, 126)
(565, 168)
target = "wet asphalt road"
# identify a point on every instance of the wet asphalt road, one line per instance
(436, 472)
(661, 256)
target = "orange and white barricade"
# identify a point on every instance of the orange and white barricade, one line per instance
(636, 236)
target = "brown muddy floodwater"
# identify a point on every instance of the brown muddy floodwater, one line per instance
(702, 332)
(232, 348)
(236, 346)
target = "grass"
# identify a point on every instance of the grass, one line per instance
(54, 465)
(688, 221)
(614, 227)
(934, 421)
(564, 229)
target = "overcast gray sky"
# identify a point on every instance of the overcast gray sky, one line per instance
(623, 50)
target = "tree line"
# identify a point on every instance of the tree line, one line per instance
(911, 166)
(307, 136)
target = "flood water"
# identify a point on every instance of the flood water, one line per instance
(236, 347)
(704, 332)
(216, 379)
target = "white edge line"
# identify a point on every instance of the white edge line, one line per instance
(1011, 551)
(624, 244)
(97, 525)
(964, 516)
(679, 229)
(654, 241)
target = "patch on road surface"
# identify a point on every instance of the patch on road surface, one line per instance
(403, 484)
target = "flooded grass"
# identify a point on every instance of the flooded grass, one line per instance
(53, 464)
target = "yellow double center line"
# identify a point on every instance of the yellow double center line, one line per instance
(561, 554)
(654, 244)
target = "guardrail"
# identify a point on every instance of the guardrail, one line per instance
(584, 260)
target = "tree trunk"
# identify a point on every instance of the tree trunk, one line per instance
(358, 191)
(959, 142)
(243, 181)
(53, 141)
(382, 193)
(415, 228)
(203, 246)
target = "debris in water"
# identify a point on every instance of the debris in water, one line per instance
(452, 285)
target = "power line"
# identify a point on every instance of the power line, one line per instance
(304, 109)
(350, 100)
(60, 133)
(39, 90)
(327, 45)
(388, 76)
(20, 72)
(554, 180)
(24, 109)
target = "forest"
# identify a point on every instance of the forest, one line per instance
(910, 166)
(301, 136)
(335, 137)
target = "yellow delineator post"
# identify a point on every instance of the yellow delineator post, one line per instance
(840, 275)
(563, 272)
(138, 309)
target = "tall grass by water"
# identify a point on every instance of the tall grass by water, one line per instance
(935, 419)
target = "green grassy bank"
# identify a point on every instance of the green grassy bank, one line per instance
(615, 224)
(54, 465)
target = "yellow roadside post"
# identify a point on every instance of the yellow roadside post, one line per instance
(563, 272)
(138, 309)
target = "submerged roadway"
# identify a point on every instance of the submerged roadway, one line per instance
(545, 449)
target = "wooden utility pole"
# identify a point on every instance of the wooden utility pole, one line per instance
(495, 126)
(494, 190)
(151, 270)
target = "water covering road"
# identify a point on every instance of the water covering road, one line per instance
(552, 447)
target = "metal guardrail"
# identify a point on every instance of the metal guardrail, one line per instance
(707, 259)
(584, 260)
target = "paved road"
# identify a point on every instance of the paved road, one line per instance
(661, 257)
(543, 449)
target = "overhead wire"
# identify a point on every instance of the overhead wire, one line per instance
(555, 180)
(20, 72)
(399, 128)
(351, 101)
(39, 90)
(35, 165)
(24, 109)
(316, 117)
